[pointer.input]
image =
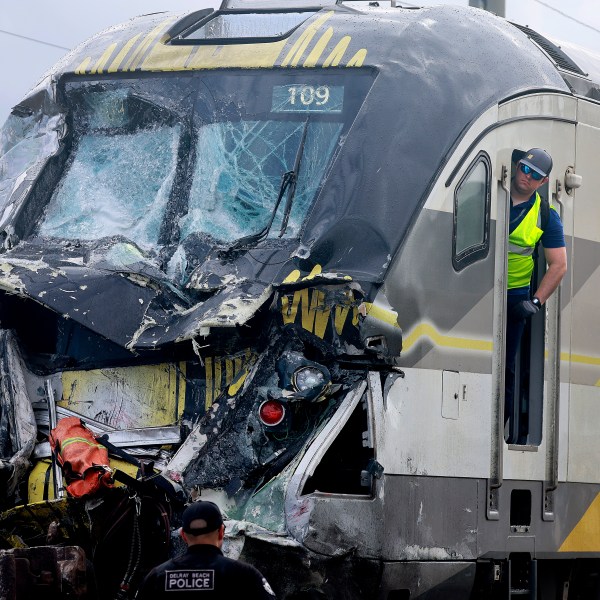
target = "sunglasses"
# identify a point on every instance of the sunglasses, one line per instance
(529, 171)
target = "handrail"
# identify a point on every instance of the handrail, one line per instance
(553, 389)
(499, 337)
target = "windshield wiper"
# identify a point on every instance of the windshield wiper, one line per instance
(288, 183)
(293, 182)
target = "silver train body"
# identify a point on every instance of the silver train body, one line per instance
(266, 246)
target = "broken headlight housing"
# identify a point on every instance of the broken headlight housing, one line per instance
(309, 378)
(302, 379)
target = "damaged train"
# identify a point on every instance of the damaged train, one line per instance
(260, 253)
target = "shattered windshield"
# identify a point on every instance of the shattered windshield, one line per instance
(102, 195)
(161, 160)
(237, 182)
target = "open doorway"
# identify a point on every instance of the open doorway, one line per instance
(523, 411)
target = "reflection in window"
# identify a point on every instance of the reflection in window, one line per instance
(471, 219)
(248, 25)
(239, 171)
(115, 185)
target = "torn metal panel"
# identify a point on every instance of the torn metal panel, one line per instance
(150, 314)
(18, 429)
(127, 397)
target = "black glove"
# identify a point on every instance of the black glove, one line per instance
(525, 309)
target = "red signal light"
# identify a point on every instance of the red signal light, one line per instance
(271, 412)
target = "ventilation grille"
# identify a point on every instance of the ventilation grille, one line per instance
(561, 60)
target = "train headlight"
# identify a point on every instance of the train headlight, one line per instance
(302, 379)
(308, 379)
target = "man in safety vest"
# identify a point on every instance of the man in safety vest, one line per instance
(526, 228)
(203, 571)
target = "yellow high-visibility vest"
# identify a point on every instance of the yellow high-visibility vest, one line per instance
(521, 244)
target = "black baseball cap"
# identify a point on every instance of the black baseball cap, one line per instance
(207, 511)
(539, 160)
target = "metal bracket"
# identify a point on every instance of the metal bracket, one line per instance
(548, 512)
(493, 502)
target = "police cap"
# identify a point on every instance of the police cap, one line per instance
(202, 510)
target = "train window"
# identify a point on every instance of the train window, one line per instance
(172, 163)
(230, 176)
(245, 25)
(120, 173)
(472, 214)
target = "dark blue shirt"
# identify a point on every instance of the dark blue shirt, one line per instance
(553, 236)
(204, 573)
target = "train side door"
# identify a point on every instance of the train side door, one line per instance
(532, 424)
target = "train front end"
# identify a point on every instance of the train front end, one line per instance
(175, 275)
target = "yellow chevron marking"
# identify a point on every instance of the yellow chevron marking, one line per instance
(243, 56)
(99, 66)
(292, 277)
(137, 56)
(208, 369)
(382, 314)
(228, 372)
(82, 68)
(316, 270)
(320, 46)
(333, 60)
(315, 314)
(299, 47)
(295, 275)
(236, 386)
(116, 63)
(218, 377)
(340, 316)
(585, 536)
(319, 313)
(426, 330)
(358, 59)
(167, 58)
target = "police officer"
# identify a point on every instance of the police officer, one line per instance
(525, 230)
(203, 571)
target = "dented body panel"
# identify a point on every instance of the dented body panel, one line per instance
(264, 263)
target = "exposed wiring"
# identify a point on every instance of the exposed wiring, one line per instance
(30, 39)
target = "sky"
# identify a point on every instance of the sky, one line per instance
(62, 24)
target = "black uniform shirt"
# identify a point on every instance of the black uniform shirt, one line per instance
(204, 573)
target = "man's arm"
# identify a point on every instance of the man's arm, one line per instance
(557, 267)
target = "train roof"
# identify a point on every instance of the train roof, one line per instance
(307, 33)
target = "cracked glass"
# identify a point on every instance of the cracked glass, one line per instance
(115, 185)
(167, 161)
(236, 183)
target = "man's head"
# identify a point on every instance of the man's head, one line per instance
(532, 171)
(202, 523)
(538, 160)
